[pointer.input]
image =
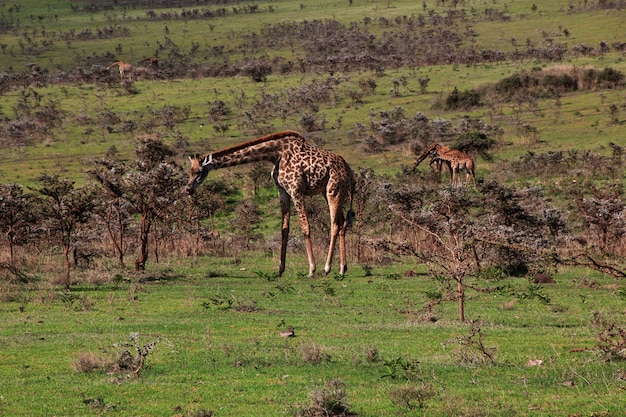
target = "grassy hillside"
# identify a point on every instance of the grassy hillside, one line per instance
(197, 333)
(36, 32)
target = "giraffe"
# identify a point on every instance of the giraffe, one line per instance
(300, 169)
(438, 162)
(125, 68)
(434, 157)
(455, 159)
(151, 61)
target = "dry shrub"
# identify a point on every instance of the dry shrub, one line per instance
(129, 363)
(246, 306)
(543, 278)
(412, 396)
(312, 353)
(612, 342)
(471, 350)
(372, 354)
(89, 362)
(328, 401)
(126, 362)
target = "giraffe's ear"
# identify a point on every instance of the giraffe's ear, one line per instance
(207, 160)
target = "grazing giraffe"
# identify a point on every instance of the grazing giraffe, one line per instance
(455, 159)
(438, 162)
(300, 170)
(125, 68)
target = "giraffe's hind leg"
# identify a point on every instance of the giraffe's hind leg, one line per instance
(337, 229)
(285, 205)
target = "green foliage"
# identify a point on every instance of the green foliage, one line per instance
(218, 302)
(267, 276)
(401, 369)
(462, 100)
(533, 291)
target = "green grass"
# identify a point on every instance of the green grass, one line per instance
(234, 363)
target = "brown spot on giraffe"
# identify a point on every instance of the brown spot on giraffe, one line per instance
(125, 68)
(300, 169)
(455, 159)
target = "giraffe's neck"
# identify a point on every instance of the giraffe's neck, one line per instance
(268, 148)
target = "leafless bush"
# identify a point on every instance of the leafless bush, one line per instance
(132, 356)
(612, 342)
(412, 396)
(603, 218)
(328, 401)
(89, 362)
(471, 349)
(314, 354)
(257, 69)
(129, 361)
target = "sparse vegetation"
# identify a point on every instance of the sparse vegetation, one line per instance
(456, 297)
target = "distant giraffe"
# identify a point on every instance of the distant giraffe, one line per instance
(125, 68)
(455, 159)
(300, 169)
(438, 162)
(151, 62)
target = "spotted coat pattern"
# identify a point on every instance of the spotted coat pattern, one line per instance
(454, 159)
(300, 169)
(125, 69)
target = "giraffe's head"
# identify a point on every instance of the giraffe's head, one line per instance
(200, 167)
(428, 152)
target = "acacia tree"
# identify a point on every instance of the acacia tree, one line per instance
(245, 221)
(152, 187)
(64, 208)
(148, 188)
(113, 209)
(206, 204)
(603, 217)
(17, 217)
(468, 230)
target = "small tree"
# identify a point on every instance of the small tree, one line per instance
(259, 175)
(245, 221)
(63, 209)
(17, 216)
(149, 187)
(114, 210)
(465, 231)
(152, 188)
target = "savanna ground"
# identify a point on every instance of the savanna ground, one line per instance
(535, 92)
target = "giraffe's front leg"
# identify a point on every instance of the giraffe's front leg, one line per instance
(334, 231)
